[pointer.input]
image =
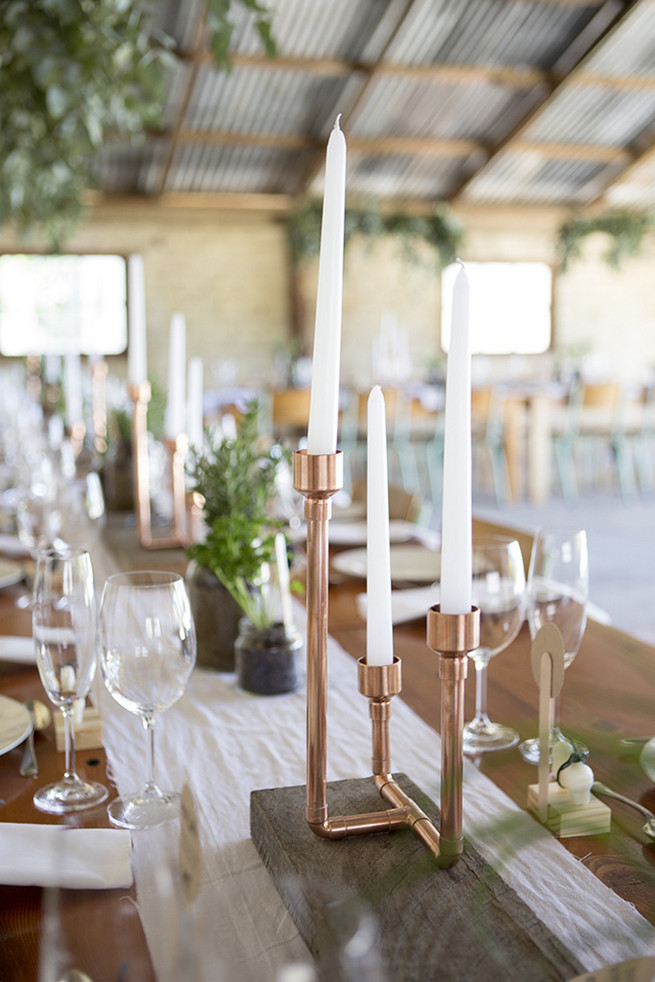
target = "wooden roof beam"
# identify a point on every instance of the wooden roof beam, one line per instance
(612, 13)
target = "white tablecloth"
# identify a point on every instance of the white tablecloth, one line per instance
(225, 743)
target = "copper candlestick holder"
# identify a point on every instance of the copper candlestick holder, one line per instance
(318, 477)
(184, 506)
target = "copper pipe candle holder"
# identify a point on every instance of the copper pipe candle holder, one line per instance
(177, 451)
(452, 636)
(318, 477)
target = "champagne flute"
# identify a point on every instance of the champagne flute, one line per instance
(148, 651)
(64, 627)
(498, 591)
(558, 590)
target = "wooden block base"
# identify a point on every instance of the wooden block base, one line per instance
(464, 922)
(88, 730)
(565, 819)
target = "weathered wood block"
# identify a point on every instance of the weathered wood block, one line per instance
(565, 819)
(464, 922)
(88, 730)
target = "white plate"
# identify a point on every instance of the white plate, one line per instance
(10, 573)
(413, 564)
(15, 723)
(406, 605)
(354, 533)
(647, 759)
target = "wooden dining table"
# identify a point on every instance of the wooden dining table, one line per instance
(608, 694)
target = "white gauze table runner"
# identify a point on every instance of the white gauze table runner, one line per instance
(224, 743)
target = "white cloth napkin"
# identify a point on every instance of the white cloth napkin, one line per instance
(53, 855)
(20, 649)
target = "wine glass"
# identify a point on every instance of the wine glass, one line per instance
(558, 590)
(64, 627)
(498, 591)
(148, 651)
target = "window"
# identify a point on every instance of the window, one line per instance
(60, 304)
(510, 307)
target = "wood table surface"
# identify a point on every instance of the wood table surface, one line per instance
(609, 692)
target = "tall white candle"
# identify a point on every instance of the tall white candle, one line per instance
(195, 418)
(136, 310)
(324, 398)
(379, 632)
(456, 545)
(73, 388)
(175, 407)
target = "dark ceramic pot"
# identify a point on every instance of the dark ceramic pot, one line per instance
(216, 614)
(266, 658)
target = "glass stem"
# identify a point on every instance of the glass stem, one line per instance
(555, 732)
(149, 724)
(69, 744)
(481, 691)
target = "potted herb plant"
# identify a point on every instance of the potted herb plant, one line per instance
(229, 574)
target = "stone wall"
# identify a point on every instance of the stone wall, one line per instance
(228, 273)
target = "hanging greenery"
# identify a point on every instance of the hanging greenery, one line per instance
(72, 71)
(625, 229)
(439, 230)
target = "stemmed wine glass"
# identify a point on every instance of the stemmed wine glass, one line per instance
(498, 591)
(64, 627)
(558, 590)
(148, 651)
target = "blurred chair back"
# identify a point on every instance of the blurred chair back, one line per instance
(290, 413)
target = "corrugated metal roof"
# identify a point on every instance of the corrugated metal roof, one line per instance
(440, 99)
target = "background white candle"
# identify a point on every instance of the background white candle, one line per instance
(324, 398)
(379, 631)
(456, 529)
(73, 388)
(136, 321)
(195, 418)
(175, 407)
(283, 578)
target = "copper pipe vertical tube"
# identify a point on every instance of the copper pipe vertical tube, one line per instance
(99, 406)
(317, 477)
(452, 636)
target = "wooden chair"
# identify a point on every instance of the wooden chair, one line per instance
(404, 505)
(487, 427)
(642, 440)
(594, 430)
(290, 413)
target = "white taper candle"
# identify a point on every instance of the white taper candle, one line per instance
(324, 398)
(379, 631)
(456, 526)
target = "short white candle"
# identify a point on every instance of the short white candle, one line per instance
(175, 407)
(73, 388)
(283, 579)
(195, 417)
(456, 526)
(136, 321)
(324, 397)
(379, 631)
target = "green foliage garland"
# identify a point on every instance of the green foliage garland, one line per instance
(625, 229)
(439, 230)
(72, 71)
